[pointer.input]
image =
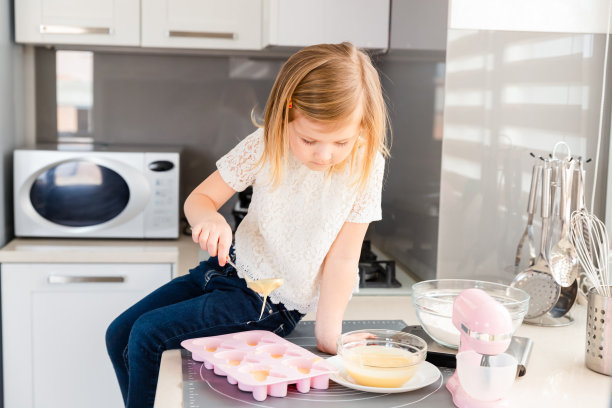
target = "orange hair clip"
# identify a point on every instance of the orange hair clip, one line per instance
(289, 104)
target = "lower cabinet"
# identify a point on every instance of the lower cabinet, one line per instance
(54, 320)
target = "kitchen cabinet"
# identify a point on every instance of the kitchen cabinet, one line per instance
(54, 320)
(203, 24)
(365, 23)
(212, 24)
(95, 22)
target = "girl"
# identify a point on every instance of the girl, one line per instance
(316, 168)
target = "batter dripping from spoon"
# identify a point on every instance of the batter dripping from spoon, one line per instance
(261, 286)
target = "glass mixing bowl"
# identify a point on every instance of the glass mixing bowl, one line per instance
(380, 357)
(433, 303)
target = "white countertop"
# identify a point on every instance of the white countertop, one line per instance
(182, 251)
(556, 373)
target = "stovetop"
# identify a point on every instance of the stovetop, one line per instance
(202, 388)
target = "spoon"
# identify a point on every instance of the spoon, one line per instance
(536, 280)
(527, 237)
(563, 257)
(262, 286)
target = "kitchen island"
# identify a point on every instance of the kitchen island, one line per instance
(556, 373)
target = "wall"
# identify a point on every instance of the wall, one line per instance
(12, 122)
(11, 113)
(520, 76)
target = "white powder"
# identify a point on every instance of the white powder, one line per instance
(441, 329)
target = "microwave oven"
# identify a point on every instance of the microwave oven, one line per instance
(95, 191)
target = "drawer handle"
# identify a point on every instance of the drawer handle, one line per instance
(62, 29)
(63, 279)
(202, 34)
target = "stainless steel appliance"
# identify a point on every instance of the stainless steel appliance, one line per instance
(91, 191)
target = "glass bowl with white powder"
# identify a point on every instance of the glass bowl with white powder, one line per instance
(433, 303)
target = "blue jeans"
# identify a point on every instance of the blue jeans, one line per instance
(209, 301)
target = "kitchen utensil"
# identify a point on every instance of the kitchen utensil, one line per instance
(486, 330)
(554, 215)
(558, 165)
(584, 283)
(527, 237)
(566, 300)
(433, 304)
(598, 351)
(261, 286)
(590, 239)
(381, 358)
(261, 362)
(537, 280)
(563, 257)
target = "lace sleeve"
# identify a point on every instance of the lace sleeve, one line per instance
(367, 206)
(238, 167)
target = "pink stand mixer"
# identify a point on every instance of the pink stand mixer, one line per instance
(484, 373)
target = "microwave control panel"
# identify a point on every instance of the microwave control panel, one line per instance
(162, 212)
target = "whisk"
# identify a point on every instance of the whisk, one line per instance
(589, 237)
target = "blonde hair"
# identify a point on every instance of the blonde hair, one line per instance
(326, 82)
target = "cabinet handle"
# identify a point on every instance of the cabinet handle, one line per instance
(202, 34)
(62, 29)
(63, 279)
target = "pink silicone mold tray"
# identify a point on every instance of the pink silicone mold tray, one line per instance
(261, 362)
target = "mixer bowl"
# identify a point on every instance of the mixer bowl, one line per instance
(489, 383)
(433, 303)
(380, 357)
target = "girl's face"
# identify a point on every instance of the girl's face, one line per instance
(320, 145)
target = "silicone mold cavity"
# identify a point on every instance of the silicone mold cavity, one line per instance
(251, 338)
(261, 362)
(210, 345)
(274, 350)
(232, 358)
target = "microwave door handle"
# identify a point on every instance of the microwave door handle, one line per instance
(65, 279)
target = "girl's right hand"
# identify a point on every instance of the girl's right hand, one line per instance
(214, 235)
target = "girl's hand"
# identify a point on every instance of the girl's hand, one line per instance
(214, 235)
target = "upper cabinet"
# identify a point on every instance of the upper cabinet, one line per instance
(99, 22)
(203, 24)
(365, 23)
(214, 24)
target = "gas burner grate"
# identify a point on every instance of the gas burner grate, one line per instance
(375, 273)
(378, 274)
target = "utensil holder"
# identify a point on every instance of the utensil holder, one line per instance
(598, 353)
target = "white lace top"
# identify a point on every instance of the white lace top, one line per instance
(288, 231)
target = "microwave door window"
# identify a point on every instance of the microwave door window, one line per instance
(79, 194)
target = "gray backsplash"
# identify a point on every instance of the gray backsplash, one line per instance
(204, 103)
